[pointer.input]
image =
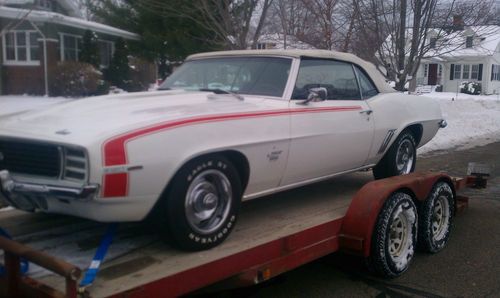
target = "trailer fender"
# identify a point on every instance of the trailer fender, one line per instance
(359, 222)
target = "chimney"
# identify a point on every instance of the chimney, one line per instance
(458, 23)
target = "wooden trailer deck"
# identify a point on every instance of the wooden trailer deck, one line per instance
(138, 257)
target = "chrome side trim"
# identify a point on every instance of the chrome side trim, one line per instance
(387, 140)
(302, 183)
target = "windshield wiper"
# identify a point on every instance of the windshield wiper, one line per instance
(221, 91)
(164, 88)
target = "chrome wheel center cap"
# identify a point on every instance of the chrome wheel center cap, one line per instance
(210, 201)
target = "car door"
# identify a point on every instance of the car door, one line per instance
(330, 136)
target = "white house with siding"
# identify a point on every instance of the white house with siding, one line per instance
(469, 54)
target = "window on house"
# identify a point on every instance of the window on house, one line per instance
(432, 42)
(106, 49)
(21, 47)
(469, 41)
(458, 71)
(475, 72)
(261, 46)
(71, 46)
(466, 72)
(495, 72)
(426, 70)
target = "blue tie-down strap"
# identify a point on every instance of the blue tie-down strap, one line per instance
(25, 266)
(91, 273)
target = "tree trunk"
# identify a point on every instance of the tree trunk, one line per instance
(401, 46)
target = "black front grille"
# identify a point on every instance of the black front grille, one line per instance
(23, 157)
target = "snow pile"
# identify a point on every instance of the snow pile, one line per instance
(12, 104)
(473, 120)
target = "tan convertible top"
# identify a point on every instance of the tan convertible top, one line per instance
(370, 69)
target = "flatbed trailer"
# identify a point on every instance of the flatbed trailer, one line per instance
(272, 236)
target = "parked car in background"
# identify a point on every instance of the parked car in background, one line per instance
(225, 127)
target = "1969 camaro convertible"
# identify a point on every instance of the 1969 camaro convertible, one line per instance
(225, 127)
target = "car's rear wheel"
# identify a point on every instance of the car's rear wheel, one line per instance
(201, 204)
(400, 159)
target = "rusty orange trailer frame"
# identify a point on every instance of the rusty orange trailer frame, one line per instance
(351, 233)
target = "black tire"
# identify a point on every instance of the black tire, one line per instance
(388, 165)
(199, 187)
(397, 222)
(436, 218)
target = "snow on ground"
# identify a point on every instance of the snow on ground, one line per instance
(473, 120)
(12, 104)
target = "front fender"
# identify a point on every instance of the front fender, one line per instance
(361, 217)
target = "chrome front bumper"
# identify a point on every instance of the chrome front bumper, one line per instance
(31, 196)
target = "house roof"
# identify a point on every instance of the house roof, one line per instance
(486, 42)
(376, 76)
(57, 18)
(451, 44)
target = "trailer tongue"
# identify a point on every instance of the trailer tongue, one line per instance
(272, 236)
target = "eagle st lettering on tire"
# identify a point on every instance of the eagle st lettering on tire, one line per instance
(201, 206)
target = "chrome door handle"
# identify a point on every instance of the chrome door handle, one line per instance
(367, 112)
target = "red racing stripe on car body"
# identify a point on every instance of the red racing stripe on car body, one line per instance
(115, 185)
(114, 149)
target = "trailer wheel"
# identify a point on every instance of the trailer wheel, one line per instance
(436, 214)
(400, 159)
(202, 203)
(394, 236)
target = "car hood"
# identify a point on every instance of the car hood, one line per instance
(91, 119)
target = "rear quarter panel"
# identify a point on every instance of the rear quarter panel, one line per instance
(398, 111)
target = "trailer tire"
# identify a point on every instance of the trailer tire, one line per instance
(400, 159)
(394, 236)
(436, 217)
(201, 204)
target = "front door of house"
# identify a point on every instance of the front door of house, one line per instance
(433, 70)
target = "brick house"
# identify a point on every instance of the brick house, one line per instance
(38, 34)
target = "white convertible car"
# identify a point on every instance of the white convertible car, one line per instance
(225, 127)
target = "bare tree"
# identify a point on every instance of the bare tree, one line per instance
(324, 24)
(401, 32)
(290, 18)
(86, 8)
(236, 24)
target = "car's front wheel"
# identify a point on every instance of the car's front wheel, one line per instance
(400, 159)
(202, 203)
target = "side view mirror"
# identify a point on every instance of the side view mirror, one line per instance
(315, 94)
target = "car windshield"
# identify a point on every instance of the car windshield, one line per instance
(243, 75)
